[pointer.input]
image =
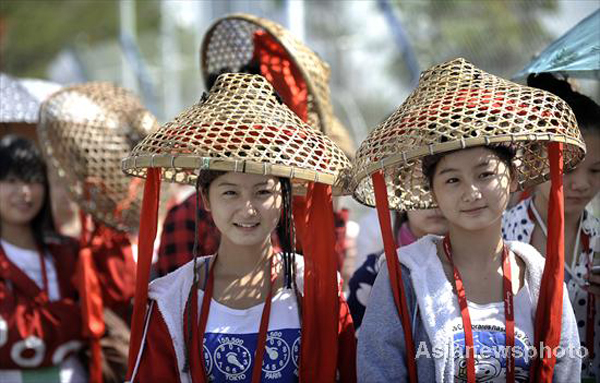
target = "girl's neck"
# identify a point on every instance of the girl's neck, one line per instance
(18, 235)
(571, 219)
(236, 261)
(477, 249)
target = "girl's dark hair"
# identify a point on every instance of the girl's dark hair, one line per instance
(252, 67)
(400, 217)
(505, 152)
(586, 110)
(20, 159)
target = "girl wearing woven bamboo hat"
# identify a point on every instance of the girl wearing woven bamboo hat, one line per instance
(472, 307)
(245, 313)
(84, 131)
(249, 44)
(526, 221)
(53, 289)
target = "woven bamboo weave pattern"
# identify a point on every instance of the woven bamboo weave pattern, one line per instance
(85, 131)
(228, 44)
(457, 106)
(240, 126)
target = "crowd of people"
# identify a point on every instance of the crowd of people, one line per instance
(489, 256)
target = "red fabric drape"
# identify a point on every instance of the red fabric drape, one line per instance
(279, 69)
(548, 318)
(92, 307)
(383, 212)
(147, 235)
(320, 309)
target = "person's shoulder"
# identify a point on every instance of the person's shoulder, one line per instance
(60, 244)
(417, 254)
(534, 261)
(179, 279)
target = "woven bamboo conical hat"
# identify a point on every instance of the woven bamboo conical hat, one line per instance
(85, 130)
(458, 106)
(229, 46)
(241, 126)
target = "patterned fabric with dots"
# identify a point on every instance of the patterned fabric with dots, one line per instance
(518, 226)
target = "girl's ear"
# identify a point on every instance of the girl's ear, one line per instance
(205, 202)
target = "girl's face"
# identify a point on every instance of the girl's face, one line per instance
(472, 188)
(245, 207)
(20, 201)
(430, 221)
(583, 183)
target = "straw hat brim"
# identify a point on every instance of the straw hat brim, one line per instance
(217, 52)
(84, 131)
(457, 106)
(240, 127)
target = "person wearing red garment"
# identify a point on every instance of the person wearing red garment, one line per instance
(297, 74)
(41, 324)
(84, 131)
(247, 312)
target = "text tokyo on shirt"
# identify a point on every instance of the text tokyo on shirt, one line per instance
(231, 336)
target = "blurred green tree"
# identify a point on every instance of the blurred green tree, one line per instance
(499, 36)
(35, 31)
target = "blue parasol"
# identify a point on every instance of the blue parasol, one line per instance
(576, 53)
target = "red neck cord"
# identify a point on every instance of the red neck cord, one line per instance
(509, 315)
(198, 335)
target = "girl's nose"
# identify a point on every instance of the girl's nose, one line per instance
(579, 180)
(471, 193)
(250, 209)
(25, 189)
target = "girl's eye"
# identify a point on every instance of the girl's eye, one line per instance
(264, 192)
(486, 174)
(451, 180)
(229, 193)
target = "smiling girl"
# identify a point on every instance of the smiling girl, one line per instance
(471, 297)
(41, 324)
(241, 314)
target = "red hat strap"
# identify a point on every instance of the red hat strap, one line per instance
(548, 317)
(147, 235)
(383, 211)
(92, 306)
(320, 306)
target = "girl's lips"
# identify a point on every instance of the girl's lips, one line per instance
(23, 206)
(246, 226)
(473, 210)
(576, 199)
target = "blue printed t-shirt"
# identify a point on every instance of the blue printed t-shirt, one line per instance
(489, 340)
(231, 336)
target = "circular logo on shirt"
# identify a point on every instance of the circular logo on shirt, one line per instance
(296, 352)
(3, 331)
(277, 353)
(232, 358)
(29, 352)
(208, 363)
